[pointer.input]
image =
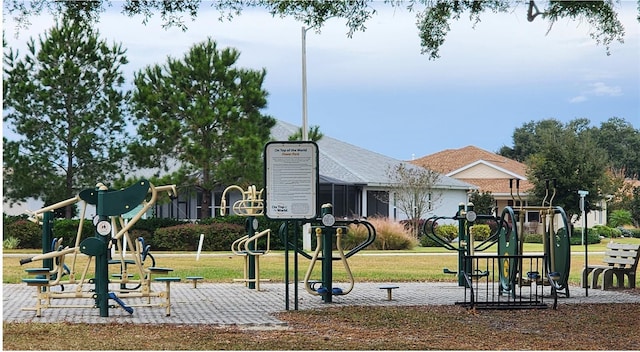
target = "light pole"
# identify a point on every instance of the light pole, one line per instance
(582, 194)
(305, 134)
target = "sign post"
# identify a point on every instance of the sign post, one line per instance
(292, 183)
(291, 179)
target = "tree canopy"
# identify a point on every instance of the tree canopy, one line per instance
(433, 17)
(63, 99)
(616, 137)
(565, 157)
(200, 118)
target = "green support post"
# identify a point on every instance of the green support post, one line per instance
(328, 232)
(102, 271)
(47, 237)
(251, 231)
(462, 244)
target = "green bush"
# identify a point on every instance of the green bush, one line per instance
(390, 235)
(146, 228)
(606, 231)
(480, 232)
(217, 237)
(68, 230)
(263, 224)
(620, 218)
(593, 236)
(635, 233)
(533, 238)
(10, 243)
(446, 231)
(29, 233)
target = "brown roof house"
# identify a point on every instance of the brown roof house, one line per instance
(488, 171)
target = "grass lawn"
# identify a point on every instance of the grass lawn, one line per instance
(420, 264)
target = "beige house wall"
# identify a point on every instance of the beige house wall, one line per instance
(481, 171)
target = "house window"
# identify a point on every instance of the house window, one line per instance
(376, 206)
(198, 214)
(342, 197)
(517, 203)
(217, 202)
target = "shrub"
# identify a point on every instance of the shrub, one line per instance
(263, 224)
(68, 230)
(480, 232)
(146, 228)
(10, 243)
(620, 218)
(533, 238)
(605, 231)
(593, 237)
(446, 231)
(635, 233)
(390, 235)
(29, 233)
(217, 237)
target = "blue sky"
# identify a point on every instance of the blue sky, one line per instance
(375, 90)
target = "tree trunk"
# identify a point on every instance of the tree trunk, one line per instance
(206, 202)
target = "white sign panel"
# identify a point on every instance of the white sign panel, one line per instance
(291, 179)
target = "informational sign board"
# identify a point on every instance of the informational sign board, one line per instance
(291, 179)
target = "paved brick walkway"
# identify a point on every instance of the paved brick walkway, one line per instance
(235, 304)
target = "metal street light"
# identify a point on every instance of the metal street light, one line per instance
(585, 242)
(305, 133)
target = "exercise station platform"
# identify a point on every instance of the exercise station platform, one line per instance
(233, 304)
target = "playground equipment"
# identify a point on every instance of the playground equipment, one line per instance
(110, 229)
(250, 205)
(555, 240)
(509, 237)
(331, 231)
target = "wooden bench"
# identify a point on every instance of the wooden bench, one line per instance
(620, 260)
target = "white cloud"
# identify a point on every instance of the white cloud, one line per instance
(599, 89)
(602, 89)
(578, 99)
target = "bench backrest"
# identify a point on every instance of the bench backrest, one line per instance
(622, 255)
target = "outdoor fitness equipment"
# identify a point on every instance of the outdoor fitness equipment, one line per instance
(466, 246)
(509, 236)
(555, 239)
(331, 229)
(110, 228)
(250, 205)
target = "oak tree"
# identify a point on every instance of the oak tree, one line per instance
(433, 17)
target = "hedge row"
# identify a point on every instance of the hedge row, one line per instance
(220, 232)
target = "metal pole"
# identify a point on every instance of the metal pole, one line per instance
(583, 208)
(251, 231)
(305, 133)
(586, 242)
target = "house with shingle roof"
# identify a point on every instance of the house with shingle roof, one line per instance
(353, 179)
(491, 172)
(488, 171)
(356, 180)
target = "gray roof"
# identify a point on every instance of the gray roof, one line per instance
(351, 164)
